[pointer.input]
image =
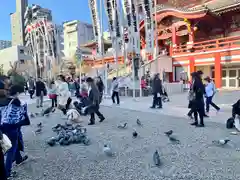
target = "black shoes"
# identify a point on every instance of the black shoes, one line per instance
(24, 158)
(102, 119)
(197, 125)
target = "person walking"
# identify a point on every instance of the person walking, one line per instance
(2, 166)
(41, 91)
(31, 87)
(64, 94)
(115, 90)
(53, 94)
(157, 92)
(210, 92)
(93, 99)
(100, 87)
(13, 117)
(197, 101)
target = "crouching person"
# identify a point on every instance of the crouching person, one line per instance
(13, 117)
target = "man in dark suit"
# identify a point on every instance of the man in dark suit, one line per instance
(157, 91)
(94, 100)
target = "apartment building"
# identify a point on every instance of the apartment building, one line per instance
(75, 34)
(5, 44)
(17, 22)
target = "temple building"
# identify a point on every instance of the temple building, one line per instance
(197, 36)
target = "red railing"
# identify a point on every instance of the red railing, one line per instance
(205, 46)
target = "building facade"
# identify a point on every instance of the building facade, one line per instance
(191, 36)
(76, 33)
(17, 23)
(16, 54)
(5, 44)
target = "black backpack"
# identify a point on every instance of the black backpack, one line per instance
(230, 123)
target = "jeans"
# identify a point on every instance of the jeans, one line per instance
(115, 94)
(40, 100)
(157, 101)
(54, 102)
(13, 154)
(31, 92)
(209, 102)
(199, 110)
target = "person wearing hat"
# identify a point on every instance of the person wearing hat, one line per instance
(94, 100)
(197, 104)
(157, 91)
(210, 90)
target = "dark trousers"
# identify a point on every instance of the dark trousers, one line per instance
(68, 103)
(157, 101)
(2, 166)
(31, 92)
(198, 110)
(95, 110)
(115, 94)
(209, 102)
(54, 102)
(235, 111)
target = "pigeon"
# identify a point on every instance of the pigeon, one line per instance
(122, 126)
(52, 141)
(139, 122)
(221, 142)
(47, 111)
(36, 114)
(168, 133)
(86, 141)
(107, 150)
(32, 115)
(38, 131)
(58, 127)
(39, 125)
(53, 110)
(135, 134)
(156, 158)
(173, 139)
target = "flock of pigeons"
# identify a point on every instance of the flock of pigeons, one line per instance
(75, 134)
(172, 138)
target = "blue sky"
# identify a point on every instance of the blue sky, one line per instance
(62, 10)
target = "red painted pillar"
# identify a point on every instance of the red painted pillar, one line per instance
(174, 39)
(218, 70)
(192, 65)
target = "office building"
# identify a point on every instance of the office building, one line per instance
(17, 23)
(75, 34)
(5, 44)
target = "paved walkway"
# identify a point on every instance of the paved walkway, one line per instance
(177, 106)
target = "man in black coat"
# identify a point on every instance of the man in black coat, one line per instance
(40, 92)
(198, 101)
(157, 91)
(94, 100)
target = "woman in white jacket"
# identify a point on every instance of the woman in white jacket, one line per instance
(64, 95)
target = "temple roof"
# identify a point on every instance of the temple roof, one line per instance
(216, 6)
(93, 43)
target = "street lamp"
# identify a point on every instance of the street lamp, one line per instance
(79, 59)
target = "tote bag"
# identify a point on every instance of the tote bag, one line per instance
(5, 143)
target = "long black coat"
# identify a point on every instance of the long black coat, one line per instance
(40, 88)
(157, 86)
(199, 90)
(94, 100)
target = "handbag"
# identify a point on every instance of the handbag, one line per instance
(5, 143)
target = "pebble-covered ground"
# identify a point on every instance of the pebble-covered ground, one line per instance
(195, 158)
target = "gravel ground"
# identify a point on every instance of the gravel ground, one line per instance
(195, 158)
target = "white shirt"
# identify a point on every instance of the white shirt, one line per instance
(210, 89)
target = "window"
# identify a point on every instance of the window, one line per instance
(22, 61)
(22, 51)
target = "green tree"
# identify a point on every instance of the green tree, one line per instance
(1, 69)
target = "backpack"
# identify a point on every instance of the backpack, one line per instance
(230, 123)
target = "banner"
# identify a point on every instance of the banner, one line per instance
(109, 12)
(148, 21)
(96, 24)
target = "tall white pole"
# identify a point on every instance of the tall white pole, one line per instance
(156, 37)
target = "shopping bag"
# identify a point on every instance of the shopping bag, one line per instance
(5, 143)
